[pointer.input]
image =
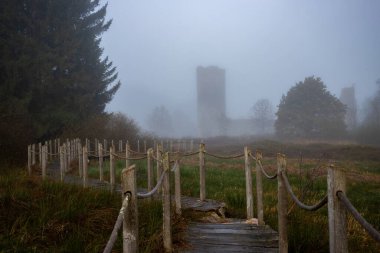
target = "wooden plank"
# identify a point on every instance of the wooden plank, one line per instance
(236, 236)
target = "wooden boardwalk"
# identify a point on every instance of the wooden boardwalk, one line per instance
(231, 236)
(236, 236)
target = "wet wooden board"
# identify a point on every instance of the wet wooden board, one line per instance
(230, 237)
(204, 206)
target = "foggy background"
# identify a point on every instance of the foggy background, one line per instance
(264, 46)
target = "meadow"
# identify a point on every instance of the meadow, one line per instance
(49, 216)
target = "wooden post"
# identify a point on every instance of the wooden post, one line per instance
(202, 172)
(336, 181)
(96, 150)
(50, 150)
(85, 166)
(43, 162)
(100, 152)
(167, 233)
(150, 169)
(248, 183)
(112, 169)
(127, 154)
(130, 222)
(159, 162)
(144, 146)
(33, 154)
(29, 160)
(177, 188)
(61, 163)
(39, 152)
(282, 205)
(105, 147)
(80, 160)
(259, 189)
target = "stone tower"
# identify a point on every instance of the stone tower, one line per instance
(211, 91)
(347, 97)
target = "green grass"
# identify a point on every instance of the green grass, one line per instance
(38, 216)
(51, 217)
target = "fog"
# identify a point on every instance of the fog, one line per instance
(265, 47)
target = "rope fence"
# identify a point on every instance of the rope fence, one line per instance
(71, 150)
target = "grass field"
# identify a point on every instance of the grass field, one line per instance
(45, 217)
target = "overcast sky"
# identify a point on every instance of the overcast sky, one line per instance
(264, 46)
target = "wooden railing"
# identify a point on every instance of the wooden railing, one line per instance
(338, 203)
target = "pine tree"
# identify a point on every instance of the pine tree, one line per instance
(52, 69)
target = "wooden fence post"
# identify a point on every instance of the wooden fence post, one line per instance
(80, 159)
(85, 166)
(33, 154)
(202, 172)
(100, 152)
(61, 163)
(336, 181)
(166, 198)
(39, 153)
(29, 160)
(112, 169)
(259, 189)
(51, 150)
(130, 222)
(150, 169)
(159, 163)
(248, 183)
(43, 162)
(127, 154)
(177, 188)
(282, 205)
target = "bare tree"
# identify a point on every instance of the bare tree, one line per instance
(160, 121)
(262, 115)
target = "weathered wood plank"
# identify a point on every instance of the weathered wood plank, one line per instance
(236, 236)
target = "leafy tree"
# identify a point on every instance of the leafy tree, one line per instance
(310, 111)
(368, 132)
(262, 114)
(52, 72)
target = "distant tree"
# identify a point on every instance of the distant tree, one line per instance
(160, 121)
(369, 130)
(262, 115)
(310, 111)
(120, 127)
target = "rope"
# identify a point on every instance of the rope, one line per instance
(265, 173)
(225, 157)
(190, 154)
(129, 158)
(298, 202)
(367, 226)
(135, 152)
(117, 226)
(154, 190)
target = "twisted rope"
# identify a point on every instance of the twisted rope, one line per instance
(129, 158)
(367, 226)
(154, 190)
(224, 157)
(117, 226)
(263, 170)
(297, 201)
(135, 152)
(190, 154)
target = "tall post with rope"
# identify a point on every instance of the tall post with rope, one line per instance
(259, 189)
(282, 205)
(166, 198)
(248, 183)
(202, 172)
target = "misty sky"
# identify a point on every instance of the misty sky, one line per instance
(265, 46)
